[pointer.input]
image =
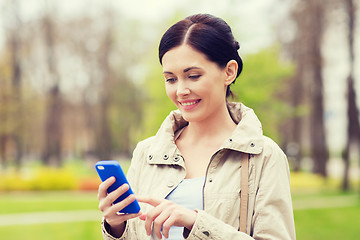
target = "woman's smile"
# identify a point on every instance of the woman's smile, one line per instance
(188, 105)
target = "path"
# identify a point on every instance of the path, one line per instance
(95, 215)
(49, 217)
(325, 202)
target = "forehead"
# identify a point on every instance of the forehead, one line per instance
(183, 57)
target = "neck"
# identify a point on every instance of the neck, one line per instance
(216, 127)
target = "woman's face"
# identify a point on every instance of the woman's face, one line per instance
(195, 84)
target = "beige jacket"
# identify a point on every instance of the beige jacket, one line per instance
(157, 168)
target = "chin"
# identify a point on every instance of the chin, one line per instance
(192, 116)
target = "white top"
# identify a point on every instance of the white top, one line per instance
(189, 194)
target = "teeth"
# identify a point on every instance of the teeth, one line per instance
(188, 103)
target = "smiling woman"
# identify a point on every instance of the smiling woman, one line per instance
(209, 172)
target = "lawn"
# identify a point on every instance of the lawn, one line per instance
(328, 223)
(322, 223)
(42, 201)
(58, 231)
(27, 202)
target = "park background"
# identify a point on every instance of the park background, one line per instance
(80, 81)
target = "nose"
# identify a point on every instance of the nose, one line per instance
(182, 89)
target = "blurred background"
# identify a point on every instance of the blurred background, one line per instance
(80, 81)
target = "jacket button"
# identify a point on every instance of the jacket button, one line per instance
(170, 184)
(166, 157)
(230, 140)
(150, 157)
(206, 233)
(177, 158)
(252, 144)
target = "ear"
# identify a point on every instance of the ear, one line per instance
(230, 72)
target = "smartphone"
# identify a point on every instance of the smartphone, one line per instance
(109, 168)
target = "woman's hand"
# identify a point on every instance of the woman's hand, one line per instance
(166, 214)
(110, 211)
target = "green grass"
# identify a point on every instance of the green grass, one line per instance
(25, 202)
(329, 223)
(58, 231)
(21, 202)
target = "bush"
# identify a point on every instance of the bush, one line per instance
(43, 178)
(54, 179)
(306, 180)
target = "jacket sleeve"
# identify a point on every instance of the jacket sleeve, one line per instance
(209, 227)
(108, 236)
(272, 216)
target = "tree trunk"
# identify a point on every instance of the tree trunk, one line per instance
(296, 127)
(307, 85)
(3, 140)
(4, 118)
(353, 130)
(104, 140)
(53, 127)
(319, 150)
(17, 133)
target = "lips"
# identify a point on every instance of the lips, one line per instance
(190, 104)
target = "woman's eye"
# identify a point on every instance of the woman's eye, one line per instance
(194, 76)
(170, 80)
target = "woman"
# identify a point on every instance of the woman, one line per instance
(188, 176)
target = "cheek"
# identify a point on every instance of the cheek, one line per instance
(170, 92)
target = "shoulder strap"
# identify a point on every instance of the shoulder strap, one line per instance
(244, 191)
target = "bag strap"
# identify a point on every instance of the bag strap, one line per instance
(244, 191)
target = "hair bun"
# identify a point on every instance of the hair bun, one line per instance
(236, 45)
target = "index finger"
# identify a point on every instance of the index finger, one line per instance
(102, 192)
(149, 200)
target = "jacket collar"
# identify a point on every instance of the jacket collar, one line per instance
(247, 136)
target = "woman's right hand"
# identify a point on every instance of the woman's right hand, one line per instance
(110, 211)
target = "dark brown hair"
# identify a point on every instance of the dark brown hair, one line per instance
(207, 34)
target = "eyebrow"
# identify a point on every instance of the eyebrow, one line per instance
(185, 70)
(190, 68)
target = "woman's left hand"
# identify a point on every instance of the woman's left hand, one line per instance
(166, 214)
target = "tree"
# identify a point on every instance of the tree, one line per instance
(260, 87)
(157, 104)
(104, 141)
(15, 43)
(53, 124)
(292, 131)
(319, 149)
(12, 109)
(120, 98)
(306, 51)
(353, 129)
